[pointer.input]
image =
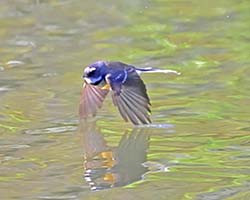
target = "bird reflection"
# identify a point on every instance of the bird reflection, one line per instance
(105, 166)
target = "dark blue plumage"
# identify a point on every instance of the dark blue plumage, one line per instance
(128, 90)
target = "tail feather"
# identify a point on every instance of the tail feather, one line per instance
(155, 70)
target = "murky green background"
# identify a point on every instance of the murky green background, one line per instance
(199, 144)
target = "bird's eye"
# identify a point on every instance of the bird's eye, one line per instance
(91, 73)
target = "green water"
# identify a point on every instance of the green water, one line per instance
(198, 146)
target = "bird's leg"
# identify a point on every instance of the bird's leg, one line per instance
(106, 87)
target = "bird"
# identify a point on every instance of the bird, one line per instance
(128, 91)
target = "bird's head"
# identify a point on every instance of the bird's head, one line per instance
(95, 73)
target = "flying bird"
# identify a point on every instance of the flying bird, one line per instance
(128, 91)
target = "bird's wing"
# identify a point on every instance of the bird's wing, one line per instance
(92, 98)
(130, 96)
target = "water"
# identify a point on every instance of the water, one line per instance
(198, 146)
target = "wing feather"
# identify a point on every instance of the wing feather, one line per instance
(131, 115)
(92, 98)
(132, 100)
(122, 109)
(140, 102)
(141, 113)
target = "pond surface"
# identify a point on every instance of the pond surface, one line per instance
(198, 146)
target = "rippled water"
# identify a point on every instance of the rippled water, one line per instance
(198, 146)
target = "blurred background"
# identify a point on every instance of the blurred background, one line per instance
(198, 146)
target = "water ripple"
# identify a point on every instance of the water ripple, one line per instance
(14, 146)
(58, 197)
(4, 89)
(14, 63)
(61, 129)
(159, 126)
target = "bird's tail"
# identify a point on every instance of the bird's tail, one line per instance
(155, 70)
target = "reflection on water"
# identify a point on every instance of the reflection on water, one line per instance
(107, 166)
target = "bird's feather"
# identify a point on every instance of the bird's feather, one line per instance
(92, 98)
(131, 98)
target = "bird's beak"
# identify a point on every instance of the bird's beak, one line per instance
(87, 80)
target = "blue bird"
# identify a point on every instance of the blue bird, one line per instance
(129, 92)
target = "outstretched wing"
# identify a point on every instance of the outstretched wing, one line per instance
(92, 98)
(131, 98)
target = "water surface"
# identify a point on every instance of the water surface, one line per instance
(199, 144)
